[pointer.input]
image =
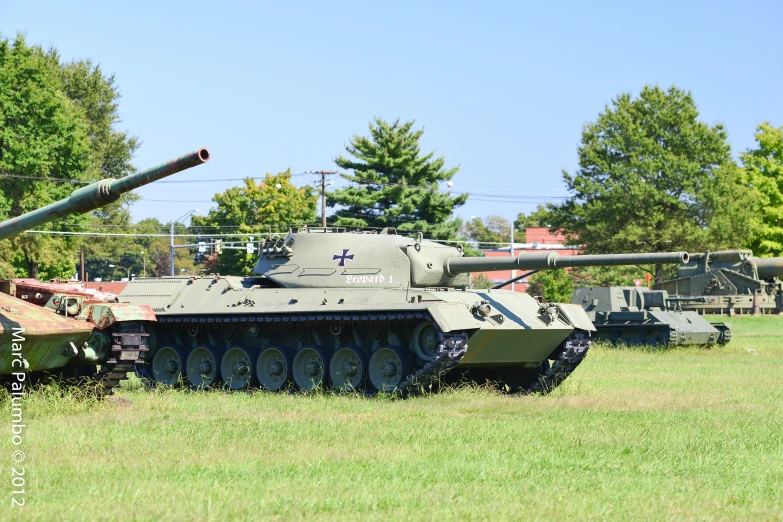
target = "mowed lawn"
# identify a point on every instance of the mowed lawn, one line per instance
(632, 435)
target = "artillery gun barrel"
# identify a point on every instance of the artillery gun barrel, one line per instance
(769, 267)
(687, 299)
(553, 260)
(99, 194)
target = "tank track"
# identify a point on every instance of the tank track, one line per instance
(725, 333)
(451, 350)
(570, 355)
(128, 345)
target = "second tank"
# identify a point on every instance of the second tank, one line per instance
(635, 315)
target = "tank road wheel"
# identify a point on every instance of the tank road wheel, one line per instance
(426, 341)
(348, 369)
(273, 368)
(310, 368)
(168, 366)
(389, 366)
(235, 368)
(202, 367)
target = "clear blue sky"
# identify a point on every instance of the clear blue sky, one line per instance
(502, 88)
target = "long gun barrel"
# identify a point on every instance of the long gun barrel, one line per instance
(552, 260)
(99, 194)
(769, 267)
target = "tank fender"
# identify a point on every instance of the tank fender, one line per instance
(577, 316)
(452, 317)
(103, 315)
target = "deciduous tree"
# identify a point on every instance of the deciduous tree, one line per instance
(653, 177)
(764, 172)
(271, 206)
(43, 136)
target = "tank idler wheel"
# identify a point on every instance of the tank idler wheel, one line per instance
(348, 369)
(236, 368)
(310, 368)
(168, 365)
(426, 341)
(389, 366)
(202, 367)
(273, 367)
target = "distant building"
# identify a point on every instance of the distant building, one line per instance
(538, 239)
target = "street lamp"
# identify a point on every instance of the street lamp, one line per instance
(510, 226)
(143, 263)
(121, 268)
(171, 245)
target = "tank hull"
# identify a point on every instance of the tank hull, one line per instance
(215, 314)
(35, 338)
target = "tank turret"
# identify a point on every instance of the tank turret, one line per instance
(320, 257)
(99, 194)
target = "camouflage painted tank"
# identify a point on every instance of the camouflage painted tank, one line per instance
(363, 311)
(636, 315)
(71, 335)
(730, 282)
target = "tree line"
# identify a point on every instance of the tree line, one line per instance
(651, 177)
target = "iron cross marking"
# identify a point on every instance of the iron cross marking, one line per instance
(344, 257)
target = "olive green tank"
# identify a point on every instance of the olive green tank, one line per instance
(72, 335)
(636, 315)
(364, 311)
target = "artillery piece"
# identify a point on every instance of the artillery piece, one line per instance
(71, 335)
(364, 311)
(636, 315)
(731, 282)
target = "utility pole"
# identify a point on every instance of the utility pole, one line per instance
(511, 249)
(171, 250)
(82, 262)
(323, 174)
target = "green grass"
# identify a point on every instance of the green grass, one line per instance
(633, 434)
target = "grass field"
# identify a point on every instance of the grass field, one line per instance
(633, 434)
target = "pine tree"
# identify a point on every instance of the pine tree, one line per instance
(395, 185)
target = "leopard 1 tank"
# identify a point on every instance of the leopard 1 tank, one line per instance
(364, 311)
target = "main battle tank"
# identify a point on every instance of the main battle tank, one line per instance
(71, 334)
(364, 311)
(636, 315)
(731, 282)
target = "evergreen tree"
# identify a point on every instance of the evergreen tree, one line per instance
(395, 185)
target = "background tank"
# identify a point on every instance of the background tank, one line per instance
(364, 311)
(636, 315)
(72, 334)
(731, 282)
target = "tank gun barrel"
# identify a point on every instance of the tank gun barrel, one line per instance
(769, 267)
(553, 260)
(99, 194)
